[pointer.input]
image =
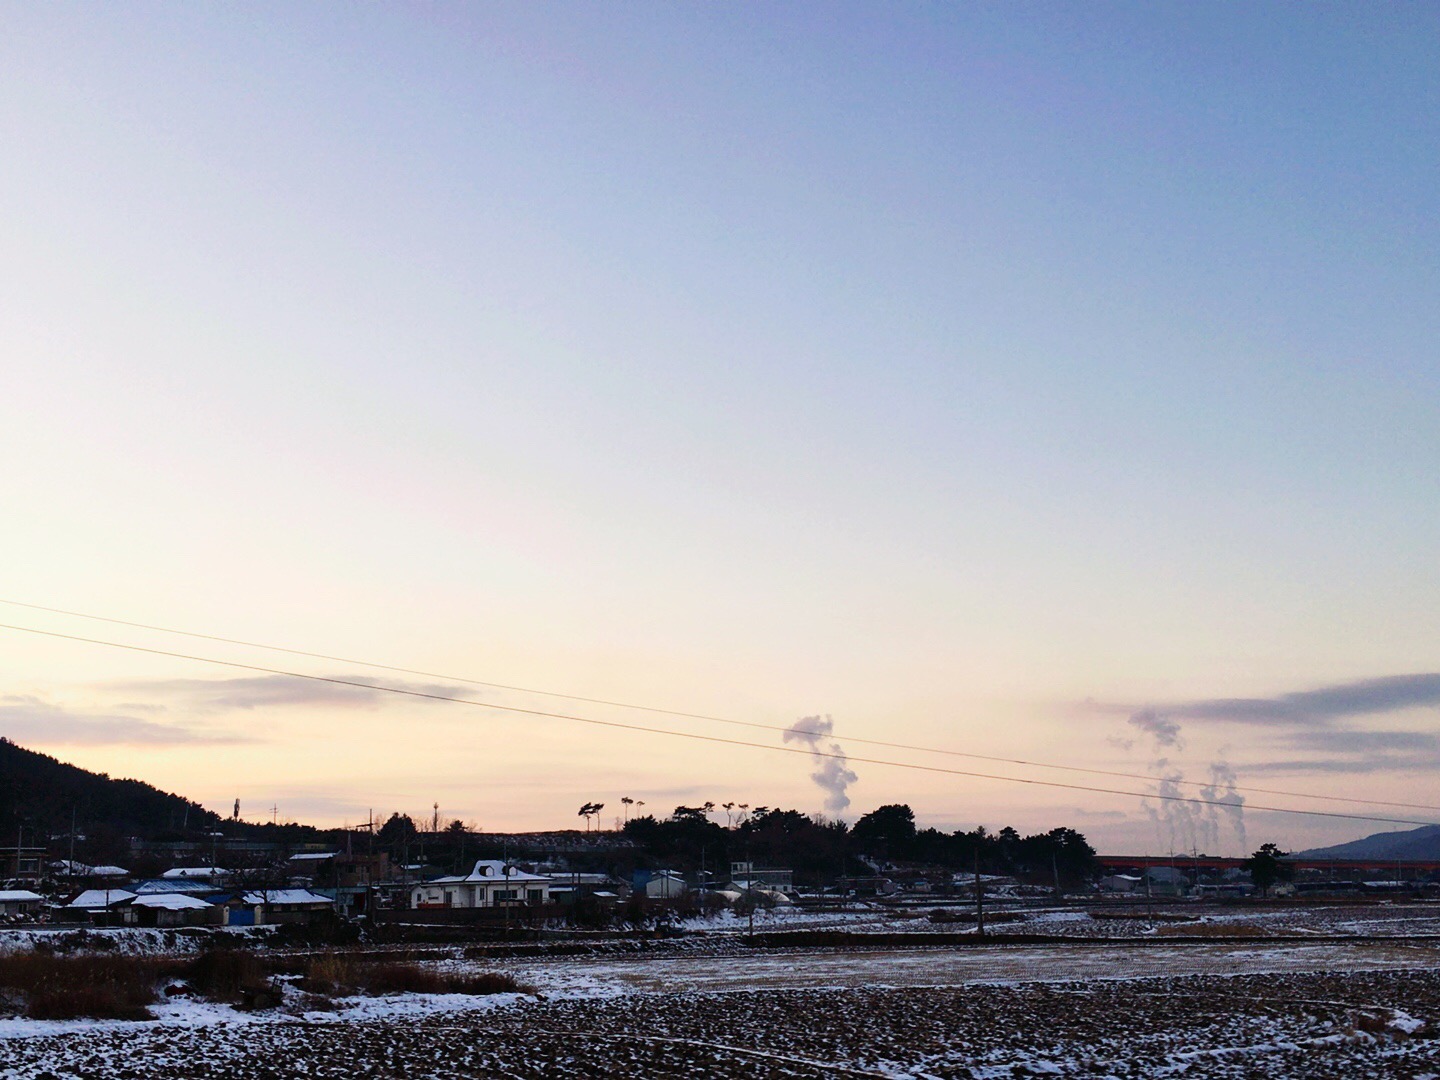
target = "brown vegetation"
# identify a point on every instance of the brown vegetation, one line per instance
(48, 987)
(232, 975)
(1218, 930)
(342, 974)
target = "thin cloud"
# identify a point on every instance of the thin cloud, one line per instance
(32, 721)
(1322, 705)
(1354, 752)
(1354, 766)
(275, 691)
(1358, 742)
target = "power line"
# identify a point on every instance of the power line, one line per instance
(426, 695)
(755, 725)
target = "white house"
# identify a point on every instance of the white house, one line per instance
(491, 883)
(19, 902)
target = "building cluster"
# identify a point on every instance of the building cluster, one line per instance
(260, 885)
(315, 886)
(1210, 877)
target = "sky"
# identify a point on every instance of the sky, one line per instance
(1039, 382)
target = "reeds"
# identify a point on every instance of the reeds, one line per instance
(50, 987)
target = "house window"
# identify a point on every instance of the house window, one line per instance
(535, 896)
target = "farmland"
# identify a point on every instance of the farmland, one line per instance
(1339, 992)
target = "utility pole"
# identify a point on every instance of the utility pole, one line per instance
(750, 885)
(979, 896)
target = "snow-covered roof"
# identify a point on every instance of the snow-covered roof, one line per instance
(80, 869)
(99, 898)
(195, 872)
(170, 901)
(18, 896)
(488, 870)
(314, 856)
(761, 888)
(173, 885)
(285, 896)
(493, 869)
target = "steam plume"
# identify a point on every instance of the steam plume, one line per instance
(832, 770)
(1162, 729)
(1187, 826)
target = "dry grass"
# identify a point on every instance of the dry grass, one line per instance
(46, 986)
(227, 975)
(1214, 930)
(338, 974)
(70, 987)
(1142, 916)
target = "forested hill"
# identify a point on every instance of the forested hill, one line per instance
(1422, 843)
(40, 793)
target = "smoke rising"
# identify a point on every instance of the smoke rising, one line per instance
(1221, 789)
(1162, 729)
(832, 770)
(1188, 826)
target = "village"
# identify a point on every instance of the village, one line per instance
(598, 878)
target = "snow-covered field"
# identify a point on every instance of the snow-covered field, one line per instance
(850, 968)
(710, 1005)
(1303, 1026)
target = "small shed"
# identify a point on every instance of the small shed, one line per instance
(1120, 883)
(174, 909)
(267, 907)
(105, 906)
(666, 885)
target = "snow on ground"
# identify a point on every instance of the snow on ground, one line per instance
(1303, 1026)
(846, 968)
(185, 1012)
(1125, 1004)
(125, 940)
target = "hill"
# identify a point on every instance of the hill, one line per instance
(45, 795)
(1422, 843)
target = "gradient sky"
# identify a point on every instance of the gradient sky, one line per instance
(982, 376)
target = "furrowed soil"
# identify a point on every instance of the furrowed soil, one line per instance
(1305, 1025)
(1244, 993)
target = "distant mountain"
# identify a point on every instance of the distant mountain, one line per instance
(1422, 843)
(44, 795)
